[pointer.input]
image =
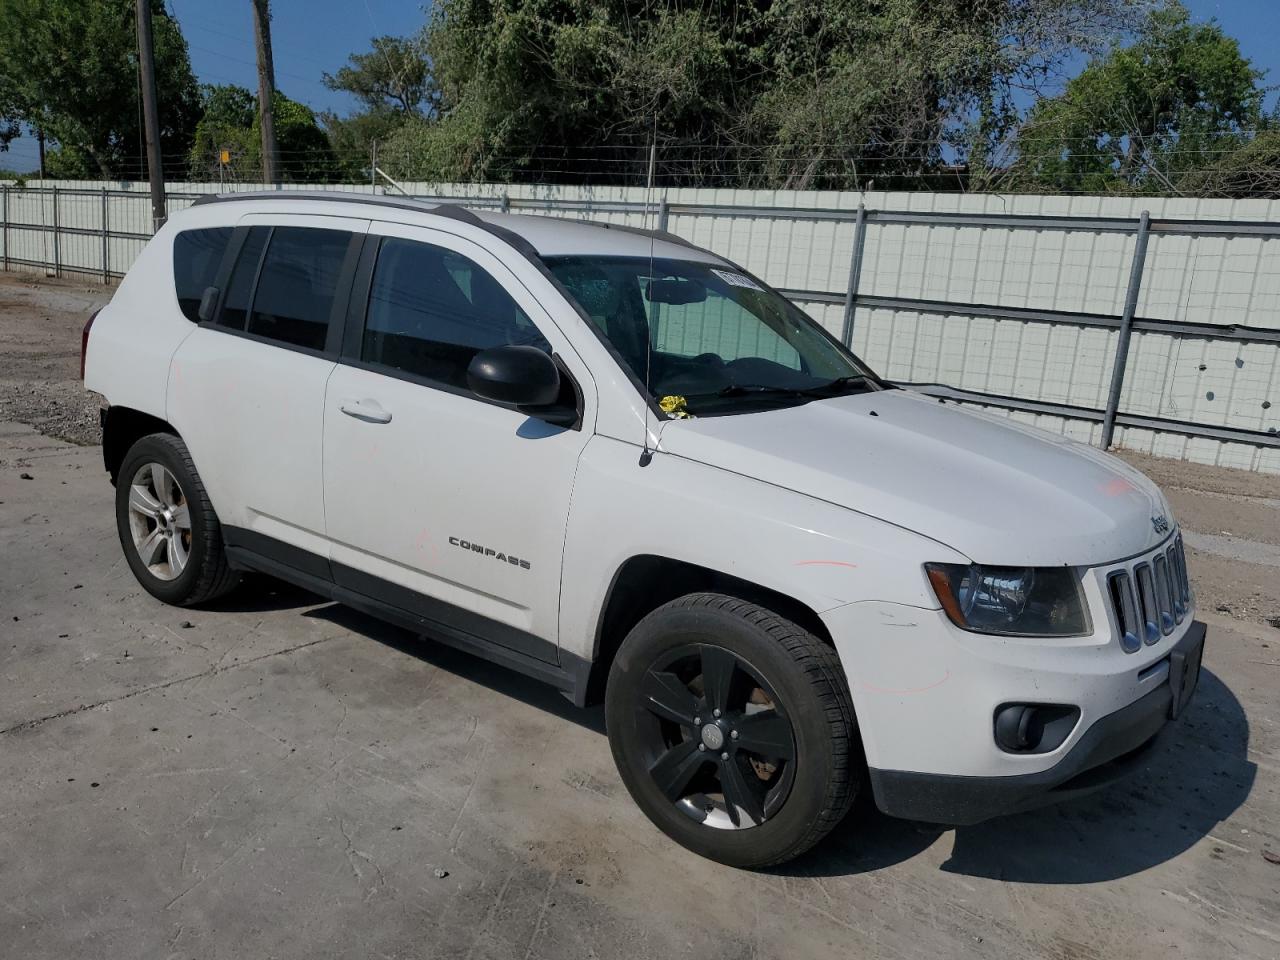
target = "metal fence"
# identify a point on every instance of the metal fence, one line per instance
(1159, 333)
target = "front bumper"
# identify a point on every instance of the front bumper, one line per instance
(1110, 748)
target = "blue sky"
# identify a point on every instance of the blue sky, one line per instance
(310, 37)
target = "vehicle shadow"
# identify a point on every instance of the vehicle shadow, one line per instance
(259, 593)
(1198, 774)
(500, 679)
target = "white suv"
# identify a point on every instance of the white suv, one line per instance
(620, 464)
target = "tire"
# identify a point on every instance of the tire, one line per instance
(775, 771)
(162, 509)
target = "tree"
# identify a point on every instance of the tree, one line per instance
(393, 77)
(69, 69)
(394, 86)
(899, 92)
(1145, 116)
(766, 92)
(1245, 166)
(231, 122)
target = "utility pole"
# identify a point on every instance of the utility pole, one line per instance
(266, 88)
(150, 114)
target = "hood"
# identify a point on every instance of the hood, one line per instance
(997, 491)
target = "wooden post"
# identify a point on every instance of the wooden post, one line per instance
(266, 89)
(150, 114)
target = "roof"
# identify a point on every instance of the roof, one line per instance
(548, 236)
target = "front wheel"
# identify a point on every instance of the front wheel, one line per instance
(733, 729)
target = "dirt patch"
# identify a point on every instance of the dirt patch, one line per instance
(40, 325)
(1175, 474)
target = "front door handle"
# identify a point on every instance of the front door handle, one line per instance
(370, 411)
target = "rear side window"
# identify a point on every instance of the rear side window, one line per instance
(284, 284)
(297, 285)
(196, 257)
(431, 310)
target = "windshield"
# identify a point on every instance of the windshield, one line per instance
(708, 340)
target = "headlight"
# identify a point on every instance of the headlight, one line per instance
(1017, 601)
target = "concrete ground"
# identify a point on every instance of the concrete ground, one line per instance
(278, 776)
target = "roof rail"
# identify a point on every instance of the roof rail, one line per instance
(456, 211)
(332, 195)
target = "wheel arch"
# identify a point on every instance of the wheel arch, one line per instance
(122, 427)
(646, 581)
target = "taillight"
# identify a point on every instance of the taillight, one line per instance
(84, 340)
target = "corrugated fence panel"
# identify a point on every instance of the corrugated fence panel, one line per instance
(1201, 279)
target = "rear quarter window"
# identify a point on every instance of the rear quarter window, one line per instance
(197, 254)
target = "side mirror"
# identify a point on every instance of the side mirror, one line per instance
(518, 375)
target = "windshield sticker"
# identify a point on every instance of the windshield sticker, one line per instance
(737, 280)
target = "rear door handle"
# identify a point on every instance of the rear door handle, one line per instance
(370, 411)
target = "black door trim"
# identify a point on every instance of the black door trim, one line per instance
(269, 548)
(462, 629)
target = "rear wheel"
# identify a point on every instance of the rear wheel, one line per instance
(168, 530)
(733, 729)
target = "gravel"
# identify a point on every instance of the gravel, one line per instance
(40, 325)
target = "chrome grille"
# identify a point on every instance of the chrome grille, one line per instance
(1164, 594)
(1120, 586)
(1151, 596)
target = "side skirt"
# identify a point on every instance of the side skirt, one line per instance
(249, 551)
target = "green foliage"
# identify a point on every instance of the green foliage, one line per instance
(1240, 167)
(394, 86)
(353, 138)
(393, 76)
(69, 68)
(1146, 116)
(230, 122)
(761, 92)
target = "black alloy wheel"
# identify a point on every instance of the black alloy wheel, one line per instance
(733, 729)
(718, 743)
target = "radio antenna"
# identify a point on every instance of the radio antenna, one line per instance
(646, 454)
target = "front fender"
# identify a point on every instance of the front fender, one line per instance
(819, 554)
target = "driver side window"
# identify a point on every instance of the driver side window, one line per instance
(431, 310)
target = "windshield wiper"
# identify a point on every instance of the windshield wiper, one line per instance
(819, 390)
(740, 389)
(839, 383)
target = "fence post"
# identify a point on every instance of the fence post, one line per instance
(664, 211)
(105, 235)
(855, 273)
(57, 252)
(1126, 327)
(5, 215)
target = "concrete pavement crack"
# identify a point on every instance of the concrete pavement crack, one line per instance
(211, 671)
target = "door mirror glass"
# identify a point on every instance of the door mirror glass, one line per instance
(522, 376)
